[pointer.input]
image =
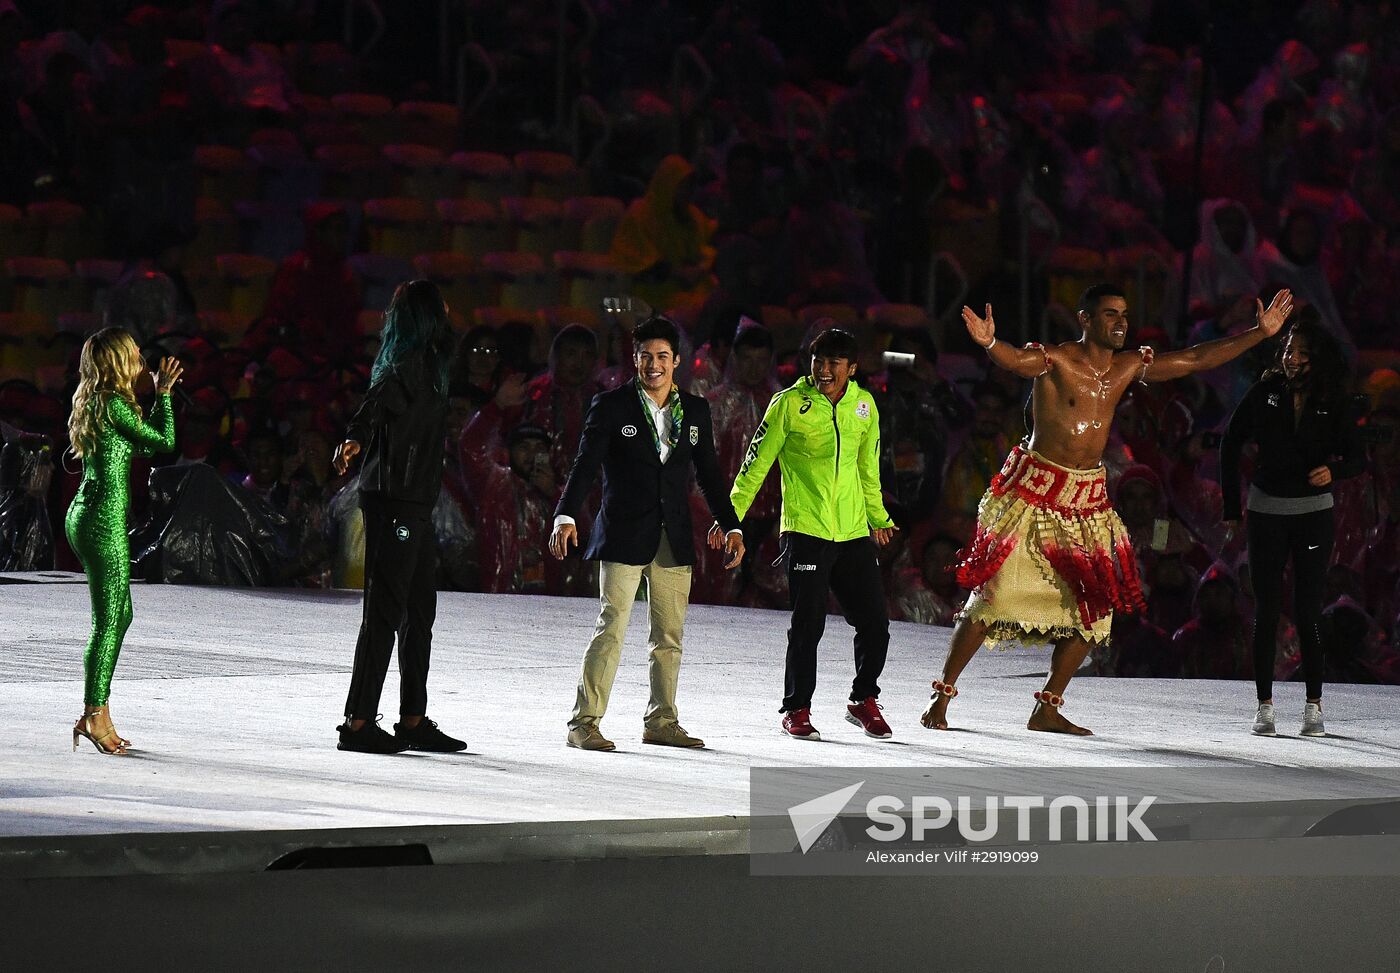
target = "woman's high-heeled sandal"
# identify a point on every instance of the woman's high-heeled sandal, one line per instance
(109, 742)
(125, 742)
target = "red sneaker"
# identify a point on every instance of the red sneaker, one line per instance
(798, 724)
(866, 715)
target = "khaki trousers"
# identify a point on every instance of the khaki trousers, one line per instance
(668, 595)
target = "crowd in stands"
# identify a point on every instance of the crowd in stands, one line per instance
(241, 183)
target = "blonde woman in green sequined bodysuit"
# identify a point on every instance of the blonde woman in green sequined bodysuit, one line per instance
(105, 429)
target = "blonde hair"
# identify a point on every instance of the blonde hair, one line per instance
(107, 369)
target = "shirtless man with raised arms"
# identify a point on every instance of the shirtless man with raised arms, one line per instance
(1050, 560)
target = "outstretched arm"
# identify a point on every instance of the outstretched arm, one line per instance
(1028, 362)
(1212, 354)
(1240, 429)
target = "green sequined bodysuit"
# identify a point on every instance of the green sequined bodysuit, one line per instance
(96, 528)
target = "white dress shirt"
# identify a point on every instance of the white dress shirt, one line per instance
(661, 419)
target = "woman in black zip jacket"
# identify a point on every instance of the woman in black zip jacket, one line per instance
(1301, 417)
(399, 428)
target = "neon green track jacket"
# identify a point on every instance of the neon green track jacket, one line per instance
(829, 456)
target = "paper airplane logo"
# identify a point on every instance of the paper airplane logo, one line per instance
(811, 818)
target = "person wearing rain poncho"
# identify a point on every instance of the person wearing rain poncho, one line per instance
(663, 241)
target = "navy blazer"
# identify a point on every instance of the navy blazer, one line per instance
(640, 493)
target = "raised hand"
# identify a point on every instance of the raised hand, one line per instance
(1271, 319)
(511, 394)
(168, 374)
(983, 330)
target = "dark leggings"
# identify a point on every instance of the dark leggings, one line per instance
(1273, 539)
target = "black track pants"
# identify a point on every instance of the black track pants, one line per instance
(400, 598)
(850, 571)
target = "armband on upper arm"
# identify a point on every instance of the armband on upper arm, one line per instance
(1037, 346)
(1147, 355)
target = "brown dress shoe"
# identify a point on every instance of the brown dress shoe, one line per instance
(587, 737)
(671, 735)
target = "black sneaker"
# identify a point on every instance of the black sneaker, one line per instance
(369, 738)
(426, 737)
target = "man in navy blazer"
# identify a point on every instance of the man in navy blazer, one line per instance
(646, 436)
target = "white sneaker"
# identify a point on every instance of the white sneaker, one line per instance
(1312, 721)
(1264, 721)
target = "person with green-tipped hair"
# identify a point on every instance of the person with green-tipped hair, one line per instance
(400, 428)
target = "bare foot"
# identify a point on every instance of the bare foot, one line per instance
(936, 716)
(1048, 720)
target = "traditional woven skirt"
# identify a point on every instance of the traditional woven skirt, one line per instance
(1050, 558)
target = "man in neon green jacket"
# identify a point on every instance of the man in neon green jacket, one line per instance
(824, 434)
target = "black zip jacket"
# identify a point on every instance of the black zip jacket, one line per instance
(400, 428)
(1324, 436)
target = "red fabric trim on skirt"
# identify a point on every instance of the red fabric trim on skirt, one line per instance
(1102, 578)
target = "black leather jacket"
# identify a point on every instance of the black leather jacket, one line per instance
(400, 428)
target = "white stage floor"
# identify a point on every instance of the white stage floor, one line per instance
(231, 697)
